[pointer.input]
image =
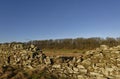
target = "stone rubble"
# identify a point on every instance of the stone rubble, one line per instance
(101, 63)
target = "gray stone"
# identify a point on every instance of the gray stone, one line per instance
(96, 74)
(80, 77)
(104, 47)
(101, 63)
(56, 66)
(86, 62)
(80, 66)
(47, 60)
(75, 69)
(32, 46)
(83, 71)
(69, 70)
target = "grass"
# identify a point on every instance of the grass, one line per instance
(64, 52)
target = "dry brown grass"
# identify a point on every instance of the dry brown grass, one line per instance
(63, 52)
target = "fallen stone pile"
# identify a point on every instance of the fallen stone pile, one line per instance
(20, 56)
(101, 63)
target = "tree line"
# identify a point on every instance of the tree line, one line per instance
(77, 43)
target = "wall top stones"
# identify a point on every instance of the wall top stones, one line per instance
(102, 63)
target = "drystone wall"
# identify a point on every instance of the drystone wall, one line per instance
(101, 63)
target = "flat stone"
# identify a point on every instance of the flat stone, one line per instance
(83, 71)
(75, 69)
(47, 60)
(96, 74)
(80, 77)
(69, 70)
(56, 66)
(80, 66)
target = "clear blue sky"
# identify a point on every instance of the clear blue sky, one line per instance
(24, 20)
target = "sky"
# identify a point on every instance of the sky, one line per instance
(25, 20)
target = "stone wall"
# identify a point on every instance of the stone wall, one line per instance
(101, 63)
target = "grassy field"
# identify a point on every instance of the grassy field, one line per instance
(63, 52)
